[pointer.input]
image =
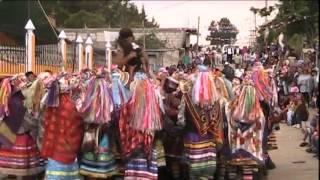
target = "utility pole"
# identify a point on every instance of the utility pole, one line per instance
(266, 4)
(198, 31)
(144, 35)
(265, 21)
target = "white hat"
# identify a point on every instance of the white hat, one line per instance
(226, 63)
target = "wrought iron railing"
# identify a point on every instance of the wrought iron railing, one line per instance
(47, 57)
(12, 59)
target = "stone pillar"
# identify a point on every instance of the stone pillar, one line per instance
(108, 50)
(79, 41)
(30, 47)
(63, 46)
(89, 53)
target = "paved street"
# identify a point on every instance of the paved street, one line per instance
(292, 161)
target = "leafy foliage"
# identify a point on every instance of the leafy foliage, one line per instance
(97, 14)
(296, 19)
(222, 32)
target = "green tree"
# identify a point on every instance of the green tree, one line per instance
(97, 14)
(295, 18)
(85, 18)
(296, 42)
(222, 32)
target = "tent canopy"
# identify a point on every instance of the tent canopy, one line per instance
(14, 16)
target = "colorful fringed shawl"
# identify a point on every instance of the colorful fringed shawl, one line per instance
(7, 137)
(33, 96)
(120, 94)
(144, 108)
(15, 117)
(204, 91)
(246, 106)
(262, 84)
(5, 93)
(246, 123)
(204, 106)
(97, 105)
(221, 88)
(33, 119)
(204, 119)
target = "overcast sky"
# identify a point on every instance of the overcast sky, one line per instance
(185, 14)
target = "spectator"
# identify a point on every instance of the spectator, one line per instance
(224, 57)
(207, 61)
(181, 66)
(237, 59)
(315, 78)
(229, 55)
(312, 134)
(218, 58)
(228, 71)
(305, 83)
(239, 71)
(186, 57)
(290, 111)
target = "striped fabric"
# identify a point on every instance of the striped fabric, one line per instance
(104, 167)
(201, 155)
(231, 172)
(23, 156)
(272, 142)
(140, 169)
(59, 171)
(101, 164)
(249, 172)
(161, 160)
(221, 168)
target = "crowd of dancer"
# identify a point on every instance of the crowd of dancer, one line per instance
(196, 120)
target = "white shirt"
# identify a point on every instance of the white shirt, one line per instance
(239, 72)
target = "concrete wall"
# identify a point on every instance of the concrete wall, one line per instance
(175, 38)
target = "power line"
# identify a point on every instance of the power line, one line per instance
(170, 6)
(45, 14)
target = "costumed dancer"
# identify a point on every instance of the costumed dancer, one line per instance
(63, 134)
(120, 96)
(97, 160)
(202, 115)
(140, 118)
(19, 154)
(226, 94)
(267, 95)
(172, 132)
(246, 123)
